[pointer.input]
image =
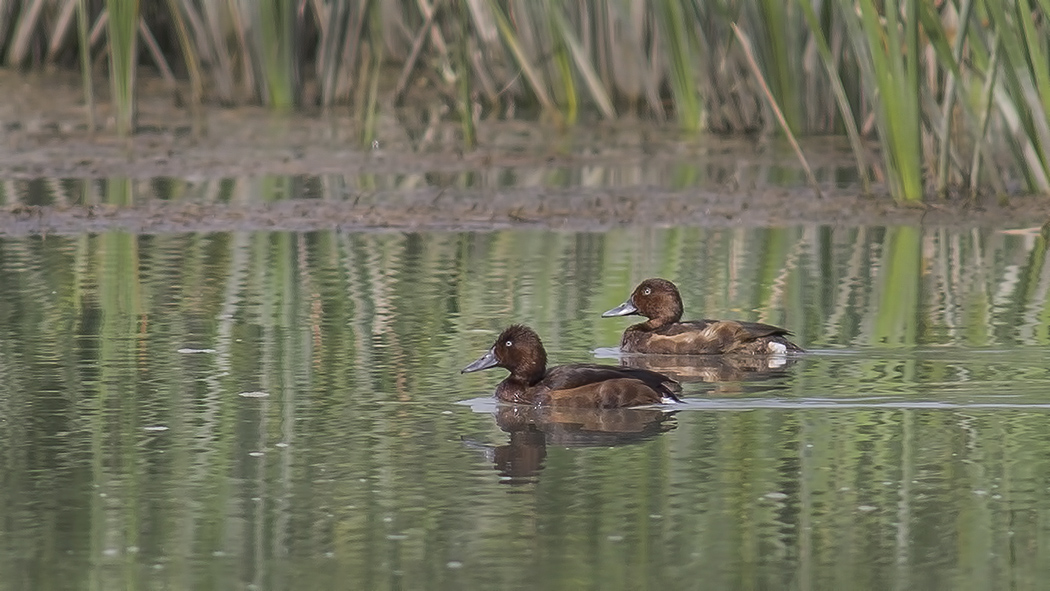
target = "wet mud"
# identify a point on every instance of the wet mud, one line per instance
(44, 135)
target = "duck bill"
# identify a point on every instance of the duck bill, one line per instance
(625, 309)
(486, 361)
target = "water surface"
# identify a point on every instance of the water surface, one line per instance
(274, 410)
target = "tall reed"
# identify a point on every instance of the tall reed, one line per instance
(895, 61)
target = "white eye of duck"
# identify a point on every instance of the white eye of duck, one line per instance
(647, 291)
(509, 343)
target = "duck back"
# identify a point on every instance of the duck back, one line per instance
(708, 337)
(603, 386)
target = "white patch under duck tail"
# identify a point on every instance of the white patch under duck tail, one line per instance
(777, 348)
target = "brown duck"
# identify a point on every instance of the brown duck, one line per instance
(663, 332)
(518, 349)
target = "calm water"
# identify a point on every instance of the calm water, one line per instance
(284, 411)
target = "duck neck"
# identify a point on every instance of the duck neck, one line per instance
(530, 368)
(518, 385)
(654, 324)
(528, 375)
(516, 389)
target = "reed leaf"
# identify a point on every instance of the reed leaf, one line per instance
(28, 19)
(845, 110)
(1021, 110)
(1035, 43)
(779, 51)
(984, 117)
(527, 69)
(60, 31)
(895, 64)
(158, 56)
(563, 68)
(583, 63)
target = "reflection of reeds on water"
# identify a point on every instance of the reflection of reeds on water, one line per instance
(714, 368)
(532, 429)
(332, 325)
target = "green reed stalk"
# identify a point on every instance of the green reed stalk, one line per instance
(985, 115)
(277, 45)
(123, 48)
(463, 68)
(193, 65)
(895, 63)
(564, 33)
(371, 58)
(371, 107)
(560, 58)
(777, 42)
(953, 79)
(1035, 44)
(84, 49)
(671, 26)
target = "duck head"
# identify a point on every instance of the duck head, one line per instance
(656, 299)
(517, 349)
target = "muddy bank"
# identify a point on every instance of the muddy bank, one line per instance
(437, 209)
(417, 177)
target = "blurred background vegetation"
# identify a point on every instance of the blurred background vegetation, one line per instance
(954, 95)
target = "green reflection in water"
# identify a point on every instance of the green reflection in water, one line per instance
(279, 410)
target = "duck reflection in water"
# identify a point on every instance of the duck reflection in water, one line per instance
(714, 368)
(533, 428)
(575, 405)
